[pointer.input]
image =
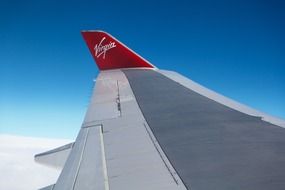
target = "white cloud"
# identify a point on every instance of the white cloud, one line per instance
(17, 166)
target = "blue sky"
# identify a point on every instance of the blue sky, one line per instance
(236, 48)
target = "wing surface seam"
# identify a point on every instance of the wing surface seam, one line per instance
(155, 144)
(106, 182)
(81, 157)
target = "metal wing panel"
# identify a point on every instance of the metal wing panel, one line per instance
(220, 98)
(124, 154)
(55, 157)
(50, 187)
(84, 168)
(210, 145)
(104, 103)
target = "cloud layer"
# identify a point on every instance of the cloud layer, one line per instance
(17, 166)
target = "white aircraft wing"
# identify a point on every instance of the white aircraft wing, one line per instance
(147, 128)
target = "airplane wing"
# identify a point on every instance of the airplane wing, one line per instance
(147, 128)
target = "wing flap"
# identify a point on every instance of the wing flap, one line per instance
(50, 187)
(55, 157)
(85, 167)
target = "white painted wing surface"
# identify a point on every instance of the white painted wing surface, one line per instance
(115, 148)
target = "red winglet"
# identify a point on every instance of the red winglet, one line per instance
(109, 53)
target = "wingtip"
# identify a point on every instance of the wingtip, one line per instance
(110, 53)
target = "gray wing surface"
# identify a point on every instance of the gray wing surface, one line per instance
(211, 145)
(152, 129)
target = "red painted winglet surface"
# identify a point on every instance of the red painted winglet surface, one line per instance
(109, 53)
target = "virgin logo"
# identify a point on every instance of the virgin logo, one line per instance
(102, 49)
